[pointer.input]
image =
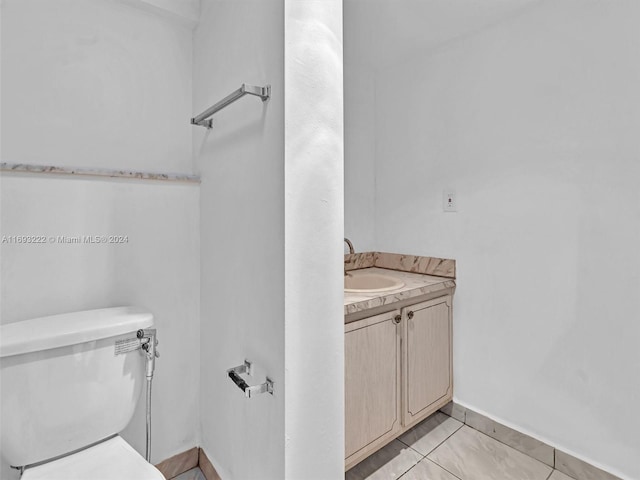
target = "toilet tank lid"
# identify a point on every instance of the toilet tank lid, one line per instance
(65, 329)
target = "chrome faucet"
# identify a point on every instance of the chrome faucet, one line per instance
(351, 251)
(348, 242)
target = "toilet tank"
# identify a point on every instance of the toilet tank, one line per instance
(68, 380)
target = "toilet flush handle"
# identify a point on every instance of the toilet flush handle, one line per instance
(148, 339)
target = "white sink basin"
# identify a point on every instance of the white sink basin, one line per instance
(370, 283)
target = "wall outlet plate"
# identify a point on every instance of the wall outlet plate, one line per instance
(449, 200)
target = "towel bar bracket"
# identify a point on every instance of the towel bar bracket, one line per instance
(208, 124)
(203, 119)
(249, 390)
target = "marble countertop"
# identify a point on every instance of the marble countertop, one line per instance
(415, 285)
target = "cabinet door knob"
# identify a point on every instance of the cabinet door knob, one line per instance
(410, 314)
(397, 318)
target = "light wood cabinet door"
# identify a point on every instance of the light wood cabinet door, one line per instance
(427, 361)
(372, 384)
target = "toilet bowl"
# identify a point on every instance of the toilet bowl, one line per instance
(70, 385)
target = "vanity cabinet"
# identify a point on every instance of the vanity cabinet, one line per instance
(372, 383)
(398, 371)
(426, 359)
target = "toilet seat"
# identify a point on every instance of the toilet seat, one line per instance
(113, 459)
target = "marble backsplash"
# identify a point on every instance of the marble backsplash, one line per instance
(439, 267)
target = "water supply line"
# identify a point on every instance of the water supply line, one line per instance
(148, 343)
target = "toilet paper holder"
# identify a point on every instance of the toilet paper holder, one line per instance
(249, 390)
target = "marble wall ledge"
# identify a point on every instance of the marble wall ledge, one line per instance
(25, 168)
(439, 267)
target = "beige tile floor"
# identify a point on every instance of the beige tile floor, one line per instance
(442, 448)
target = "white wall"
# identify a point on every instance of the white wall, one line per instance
(95, 83)
(89, 72)
(241, 161)
(535, 124)
(359, 139)
(314, 228)
(271, 219)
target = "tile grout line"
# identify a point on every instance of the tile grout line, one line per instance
(410, 447)
(434, 448)
(510, 446)
(424, 457)
(436, 464)
(513, 448)
(553, 468)
(464, 423)
(410, 468)
(554, 449)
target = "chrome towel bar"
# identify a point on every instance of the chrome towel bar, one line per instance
(203, 119)
(249, 390)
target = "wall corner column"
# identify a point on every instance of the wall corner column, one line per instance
(314, 228)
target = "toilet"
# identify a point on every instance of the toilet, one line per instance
(70, 384)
